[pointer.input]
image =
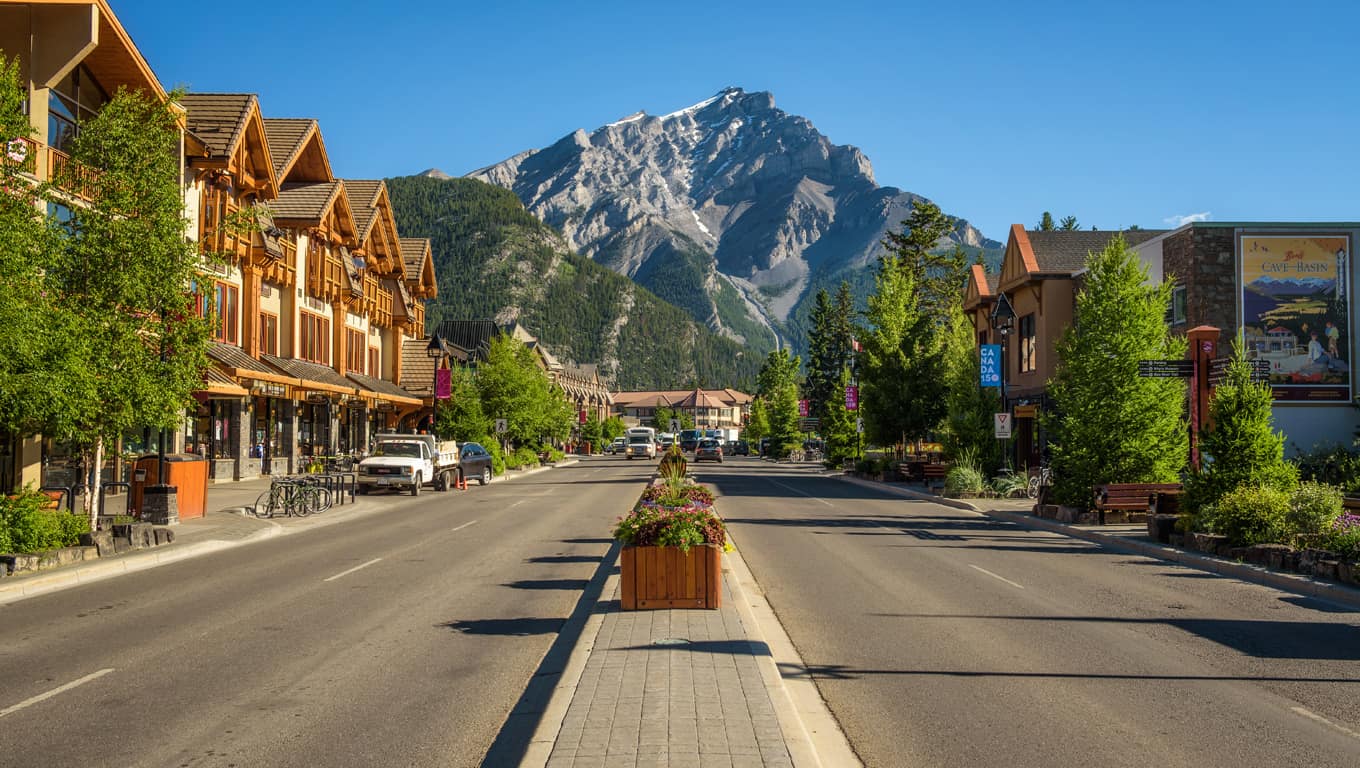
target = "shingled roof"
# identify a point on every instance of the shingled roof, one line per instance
(417, 368)
(413, 255)
(363, 200)
(1064, 252)
(217, 119)
(305, 200)
(286, 136)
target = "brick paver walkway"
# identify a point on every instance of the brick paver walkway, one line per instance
(701, 702)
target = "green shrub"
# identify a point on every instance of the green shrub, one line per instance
(964, 479)
(866, 466)
(27, 524)
(1314, 507)
(1250, 514)
(72, 527)
(493, 447)
(1344, 536)
(523, 457)
(1015, 484)
(1330, 463)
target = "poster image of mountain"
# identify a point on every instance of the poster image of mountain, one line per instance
(1296, 313)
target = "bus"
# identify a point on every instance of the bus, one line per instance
(641, 442)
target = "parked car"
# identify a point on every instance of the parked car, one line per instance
(476, 462)
(709, 449)
(619, 445)
(738, 448)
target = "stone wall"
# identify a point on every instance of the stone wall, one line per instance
(1204, 260)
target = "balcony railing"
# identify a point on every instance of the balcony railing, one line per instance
(44, 163)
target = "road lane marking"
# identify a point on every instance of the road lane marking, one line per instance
(1301, 711)
(464, 525)
(993, 575)
(802, 493)
(516, 504)
(54, 692)
(355, 568)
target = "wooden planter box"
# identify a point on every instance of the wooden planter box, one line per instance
(665, 577)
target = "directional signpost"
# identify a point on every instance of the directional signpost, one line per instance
(1166, 369)
(1218, 370)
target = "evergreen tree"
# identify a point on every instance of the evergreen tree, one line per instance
(758, 425)
(970, 407)
(1046, 223)
(1241, 447)
(838, 427)
(823, 371)
(123, 276)
(1069, 224)
(1111, 424)
(778, 381)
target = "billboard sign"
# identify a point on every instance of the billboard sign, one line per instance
(1296, 313)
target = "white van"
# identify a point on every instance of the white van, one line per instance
(641, 443)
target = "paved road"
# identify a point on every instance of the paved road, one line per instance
(942, 638)
(400, 638)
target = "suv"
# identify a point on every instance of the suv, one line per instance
(709, 448)
(738, 448)
(619, 445)
(476, 462)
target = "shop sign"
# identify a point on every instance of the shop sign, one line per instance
(384, 406)
(318, 397)
(268, 389)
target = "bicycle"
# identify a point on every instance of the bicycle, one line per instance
(294, 497)
(1038, 479)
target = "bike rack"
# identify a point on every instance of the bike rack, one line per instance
(116, 484)
(67, 492)
(353, 484)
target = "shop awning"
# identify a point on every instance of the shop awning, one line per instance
(379, 390)
(312, 376)
(236, 362)
(215, 382)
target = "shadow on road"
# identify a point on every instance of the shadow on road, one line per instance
(508, 627)
(1320, 641)
(565, 559)
(570, 584)
(841, 672)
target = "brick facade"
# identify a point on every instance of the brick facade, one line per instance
(1204, 261)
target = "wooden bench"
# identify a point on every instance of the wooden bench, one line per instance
(934, 474)
(1134, 498)
(1351, 505)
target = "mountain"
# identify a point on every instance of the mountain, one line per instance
(434, 173)
(732, 208)
(495, 260)
(1290, 286)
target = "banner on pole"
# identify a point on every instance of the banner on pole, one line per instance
(990, 356)
(852, 398)
(443, 383)
(803, 408)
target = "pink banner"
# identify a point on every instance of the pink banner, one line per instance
(443, 383)
(852, 398)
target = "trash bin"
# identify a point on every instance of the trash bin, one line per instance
(188, 472)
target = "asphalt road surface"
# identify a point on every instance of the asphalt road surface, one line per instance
(401, 638)
(942, 638)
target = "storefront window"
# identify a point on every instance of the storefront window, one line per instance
(267, 441)
(314, 426)
(208, 432)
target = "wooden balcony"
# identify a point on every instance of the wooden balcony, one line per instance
(326, 274)
(44, 163)
(377, 301)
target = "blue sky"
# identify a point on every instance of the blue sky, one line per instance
(1118, 113)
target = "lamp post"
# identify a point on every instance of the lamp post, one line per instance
(435, 351)
(1003, 318)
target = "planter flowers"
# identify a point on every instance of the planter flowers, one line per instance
(672, 545)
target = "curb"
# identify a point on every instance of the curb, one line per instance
(1298, 584)
(30, 586)
(811, 733)
(505, 478)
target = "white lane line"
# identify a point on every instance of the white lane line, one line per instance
(1300, 711)
(54, 692)
(802, 493)
(352, 570)
(516, 504)
(993, 575)
(464, 525)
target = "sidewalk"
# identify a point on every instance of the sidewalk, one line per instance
(684, 688)
(1134, 539)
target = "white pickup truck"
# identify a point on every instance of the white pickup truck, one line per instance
(407, 462)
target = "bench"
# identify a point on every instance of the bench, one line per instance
(1351, 505)
(934, 474)
(1133, 499)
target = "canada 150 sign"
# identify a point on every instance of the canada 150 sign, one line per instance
(991, 364)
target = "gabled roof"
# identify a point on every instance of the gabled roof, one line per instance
(473, 335)
(700, 399)
(286, 135)
(981, 286)
(300, 153)
(116, 61)
(218, 119)
(1065, 252)
(417, 367)
(418, 263)
(363, 200)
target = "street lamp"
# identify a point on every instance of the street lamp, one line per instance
(435, 351)
(1003, 319)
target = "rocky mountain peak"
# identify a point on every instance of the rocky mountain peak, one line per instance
(434, 173)
(731, 206)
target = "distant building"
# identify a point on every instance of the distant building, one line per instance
(711, 408)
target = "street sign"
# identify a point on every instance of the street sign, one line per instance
(1166, 369)
(852, 398)
(675, 425)
(859, 425)
(809, 424)
(803, 408)
(990, 356)
(1218, 370)
(1001, 424)
(502, 426)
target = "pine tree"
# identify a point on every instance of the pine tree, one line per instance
(1046, 223)
(1112, 425)
(1241, 447)
(1069, 224)
(778, 382)
(823, 370)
